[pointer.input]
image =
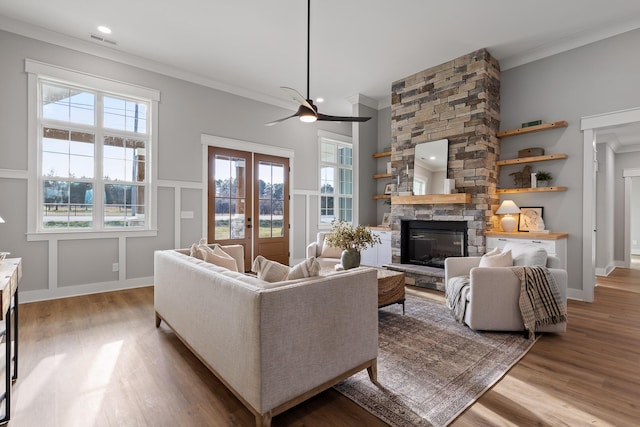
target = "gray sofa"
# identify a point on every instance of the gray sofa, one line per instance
(273, 345)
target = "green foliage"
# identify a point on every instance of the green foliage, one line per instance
(543, 176)
(344, 236)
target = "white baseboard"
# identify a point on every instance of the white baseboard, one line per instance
(577, 294)
(604, 272)
(92, 288)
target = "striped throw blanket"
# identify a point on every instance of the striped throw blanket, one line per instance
(456, 291)
(540, 302)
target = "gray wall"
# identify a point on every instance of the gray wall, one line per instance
(384, 141)
(186, 111)
(594, 79)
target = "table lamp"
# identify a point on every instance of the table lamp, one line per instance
(507, 208)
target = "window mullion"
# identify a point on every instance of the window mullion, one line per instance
(98, 199)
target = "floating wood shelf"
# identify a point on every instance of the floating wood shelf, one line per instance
(527, 235)
(531, 159)
(381, 175)
(381, 196)
(530, 129)
(381, 155)
(529, 190)
(431, 199)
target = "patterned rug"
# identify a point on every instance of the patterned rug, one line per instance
(431, 368)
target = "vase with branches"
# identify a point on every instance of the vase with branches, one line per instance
(351, 239)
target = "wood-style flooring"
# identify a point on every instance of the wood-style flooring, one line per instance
(98, 360)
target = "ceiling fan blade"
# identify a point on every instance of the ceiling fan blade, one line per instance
(328, 118)
(297, 97)
(280, 120)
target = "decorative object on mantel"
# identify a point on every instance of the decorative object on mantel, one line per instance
(522, 178)
(386, 219)
(481, 360)
(532, 123)
(531, 220)
(389, 188)
(531, 152)
(351, 239)
(543, 178)
(508, 222)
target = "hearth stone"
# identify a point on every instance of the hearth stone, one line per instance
(420, 275)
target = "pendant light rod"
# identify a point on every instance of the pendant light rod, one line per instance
(308, 42)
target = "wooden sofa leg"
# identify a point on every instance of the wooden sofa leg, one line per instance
(373, 371)
(263, 420)
(158, 320)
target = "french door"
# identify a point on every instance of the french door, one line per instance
(248, 200)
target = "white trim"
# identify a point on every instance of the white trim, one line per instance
(589, 125)
(78, 235)
(179, 184)
(335, 136)
(627, 175)
(363, 100)
(74, 77)
(603, 272)
(87, 289)
(630, 172)
(573, 41)
(240, 145)
(14, 174)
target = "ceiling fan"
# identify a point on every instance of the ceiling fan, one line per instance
(307, 111)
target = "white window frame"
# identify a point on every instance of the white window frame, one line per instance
(338, 140)
(38, 71)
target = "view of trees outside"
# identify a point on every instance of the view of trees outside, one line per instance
(68, 158)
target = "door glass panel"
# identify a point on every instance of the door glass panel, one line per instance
(230, 202)
(271, 199)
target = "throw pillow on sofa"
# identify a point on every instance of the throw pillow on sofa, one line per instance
(269, 271)
(308, 268)
(525, 254)
(273, 271)
(495, 258)
(220, 258)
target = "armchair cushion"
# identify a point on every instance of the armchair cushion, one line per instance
(496, 258)
(329, 251)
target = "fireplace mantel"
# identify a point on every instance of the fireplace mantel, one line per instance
(431, 199)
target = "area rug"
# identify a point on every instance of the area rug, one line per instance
(431, 368)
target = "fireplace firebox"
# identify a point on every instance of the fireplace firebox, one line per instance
(429, 243)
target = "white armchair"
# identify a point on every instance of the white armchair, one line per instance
(492, 303)
(329, 258)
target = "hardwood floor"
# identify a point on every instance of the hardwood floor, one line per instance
(98, 360)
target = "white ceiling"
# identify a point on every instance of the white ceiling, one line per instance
(252, 47)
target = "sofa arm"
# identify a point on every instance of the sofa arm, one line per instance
(459, 266)
(493, 300)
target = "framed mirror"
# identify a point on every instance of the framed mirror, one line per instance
(430, 167)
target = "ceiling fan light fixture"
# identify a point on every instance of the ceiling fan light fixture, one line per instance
(308, 118)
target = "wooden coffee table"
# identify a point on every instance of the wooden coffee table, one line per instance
(390, 288)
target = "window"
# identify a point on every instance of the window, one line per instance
(90, 141)
(336, 180)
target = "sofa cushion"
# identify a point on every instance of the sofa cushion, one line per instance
(329, 251)
(526, 254)
(496, 258)
(220, 258)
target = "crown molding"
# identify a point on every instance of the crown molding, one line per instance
(92, 48)
(567, 43)
(364, 100)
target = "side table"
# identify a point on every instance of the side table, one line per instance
(10, 275)
(390, 288)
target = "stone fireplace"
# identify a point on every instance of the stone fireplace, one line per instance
(458, 100)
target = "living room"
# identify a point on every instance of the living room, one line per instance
(591, 79)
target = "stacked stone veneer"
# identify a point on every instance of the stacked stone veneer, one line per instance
(458, 100)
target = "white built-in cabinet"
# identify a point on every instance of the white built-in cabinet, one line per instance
(554, 243)
(378, 255)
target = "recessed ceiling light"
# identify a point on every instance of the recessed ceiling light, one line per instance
(104, 30)
(432, 158)
(319, 100)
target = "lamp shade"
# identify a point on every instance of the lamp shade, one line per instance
(508, 207)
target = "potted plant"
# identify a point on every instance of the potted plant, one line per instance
(543, 178)
(351, 239)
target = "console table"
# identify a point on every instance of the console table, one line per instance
(10, 275)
